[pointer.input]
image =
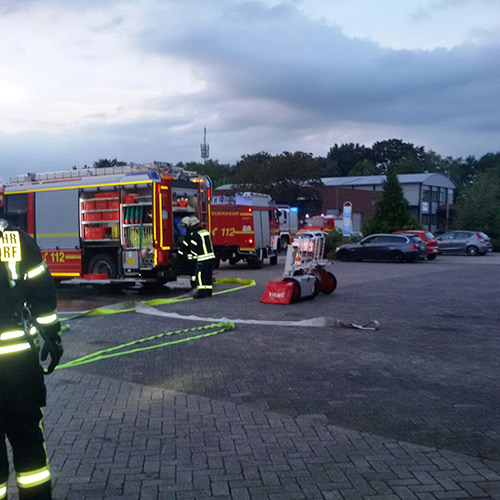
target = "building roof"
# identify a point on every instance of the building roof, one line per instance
(429, 179)
(224, 187)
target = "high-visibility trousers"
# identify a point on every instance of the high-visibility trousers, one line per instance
(204, 278)
(192, 272)
(22, 397)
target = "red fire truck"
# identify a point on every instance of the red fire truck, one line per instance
(244, 227)
(325, 223)
(117, 223)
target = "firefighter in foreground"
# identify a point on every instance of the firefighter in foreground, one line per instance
(27, 312)
(197, 248)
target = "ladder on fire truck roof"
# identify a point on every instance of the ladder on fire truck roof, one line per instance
(129, 168)
(247, 198)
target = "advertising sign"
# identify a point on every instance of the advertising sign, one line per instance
(347, 219)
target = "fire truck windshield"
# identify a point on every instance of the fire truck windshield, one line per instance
(314, 221)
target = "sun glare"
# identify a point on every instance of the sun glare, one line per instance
(10, 93)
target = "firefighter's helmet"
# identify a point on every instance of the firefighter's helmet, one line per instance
(185, 221)
(193, 221)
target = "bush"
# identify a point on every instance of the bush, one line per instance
(333, 240)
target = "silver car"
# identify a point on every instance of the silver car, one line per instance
(469, 242)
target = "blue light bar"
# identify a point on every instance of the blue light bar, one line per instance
(294, 209)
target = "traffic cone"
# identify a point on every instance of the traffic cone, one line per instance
(297, 259)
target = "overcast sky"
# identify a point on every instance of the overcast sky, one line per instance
(138, 80)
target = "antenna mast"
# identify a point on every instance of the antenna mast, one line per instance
(205, 148)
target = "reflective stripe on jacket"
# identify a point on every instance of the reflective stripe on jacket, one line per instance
(202, 245)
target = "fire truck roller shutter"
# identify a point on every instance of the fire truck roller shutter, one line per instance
(259, 227)
(57, 219)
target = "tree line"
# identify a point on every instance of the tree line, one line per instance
(294, 178)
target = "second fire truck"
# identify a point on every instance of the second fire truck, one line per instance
(245, 227)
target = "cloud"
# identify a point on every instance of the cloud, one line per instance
(252, 52)
(138, 81)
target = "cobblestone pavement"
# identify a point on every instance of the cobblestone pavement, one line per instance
(269, 412)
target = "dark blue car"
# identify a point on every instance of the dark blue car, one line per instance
(392, 247)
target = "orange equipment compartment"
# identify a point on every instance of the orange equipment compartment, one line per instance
(130, 198)
(95, 233)
(111, 215)
(89, 205)
(101, 205)
(108, 194)
(92, 216)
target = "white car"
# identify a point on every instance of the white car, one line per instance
(310, 234)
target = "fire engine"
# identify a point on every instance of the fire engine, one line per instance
(325, 223)
(118, 223)
(244, 227)
(288, 218)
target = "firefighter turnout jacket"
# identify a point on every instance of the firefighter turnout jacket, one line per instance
(202, 251)
(27, 309)
(201, 245)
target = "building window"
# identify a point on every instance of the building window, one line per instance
(426, 195)
(435, 196)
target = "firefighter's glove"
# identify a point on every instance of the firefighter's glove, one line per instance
(55, 350)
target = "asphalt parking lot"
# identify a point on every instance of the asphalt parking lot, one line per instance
(282, 412)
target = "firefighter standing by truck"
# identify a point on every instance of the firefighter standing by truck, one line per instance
(27, 311)
(198, 244)
(185, 250)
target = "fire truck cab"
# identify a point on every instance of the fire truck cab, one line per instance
(288, 218)
(244, 227)
(117, 223)
(325, 223)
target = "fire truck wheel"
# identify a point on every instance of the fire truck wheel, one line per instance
(273, 260)
(283, 243)
(103, 263)
(328, 282)
(255, 263)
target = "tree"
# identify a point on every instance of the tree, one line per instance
(105, 163)
(392, 210)
(479, 206)
(219, 174)
(363, 168)
(289, 178)
(395, 151)
(490, 161)
(343, 158)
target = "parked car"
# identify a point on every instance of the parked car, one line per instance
(393, 247)
(429, 239)
(310, 234)
(469, 242)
